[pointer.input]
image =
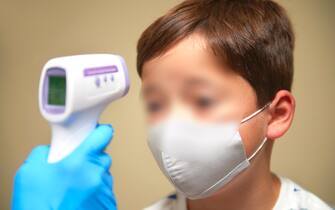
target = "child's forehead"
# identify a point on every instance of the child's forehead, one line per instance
(189, 64)
(179, 80)
(191, 53)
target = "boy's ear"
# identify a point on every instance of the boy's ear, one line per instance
(281, 112)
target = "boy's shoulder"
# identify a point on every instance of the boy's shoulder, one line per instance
(293, 196)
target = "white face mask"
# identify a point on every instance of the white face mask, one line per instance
(200, 158)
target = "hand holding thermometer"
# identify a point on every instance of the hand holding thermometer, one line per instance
(73, 92)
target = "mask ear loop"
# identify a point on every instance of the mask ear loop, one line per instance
(255, 113)
(257, 150)
(265, 139)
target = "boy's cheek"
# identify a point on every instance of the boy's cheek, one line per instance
(252, 132)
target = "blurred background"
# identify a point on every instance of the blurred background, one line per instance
(33, 31)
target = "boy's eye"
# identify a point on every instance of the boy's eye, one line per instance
(204, 102)
(153, 107)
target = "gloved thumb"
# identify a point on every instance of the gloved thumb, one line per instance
(97, 141)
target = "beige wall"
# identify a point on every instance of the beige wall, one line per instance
(31, 32)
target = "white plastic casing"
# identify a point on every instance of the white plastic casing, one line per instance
(92, 82)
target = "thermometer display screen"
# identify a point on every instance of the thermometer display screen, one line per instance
(57, 90)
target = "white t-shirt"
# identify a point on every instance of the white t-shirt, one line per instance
(291, 197)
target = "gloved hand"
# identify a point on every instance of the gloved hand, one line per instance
(79, 181)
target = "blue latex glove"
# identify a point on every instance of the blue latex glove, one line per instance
(79, 181)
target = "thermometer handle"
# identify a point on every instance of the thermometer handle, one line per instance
(67, 136)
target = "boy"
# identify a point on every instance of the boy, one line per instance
(216, 76)
(205, 64)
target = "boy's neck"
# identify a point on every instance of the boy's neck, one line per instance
(255, 188)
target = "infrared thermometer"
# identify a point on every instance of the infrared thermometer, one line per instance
(73, 91)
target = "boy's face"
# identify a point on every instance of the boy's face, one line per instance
(188, 81)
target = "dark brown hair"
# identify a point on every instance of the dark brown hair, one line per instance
(254, 38)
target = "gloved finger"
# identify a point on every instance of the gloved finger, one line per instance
(105, 200)
(107, 197)
(97, 141)
(39, 153)
(105, 161)
(108, 180)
